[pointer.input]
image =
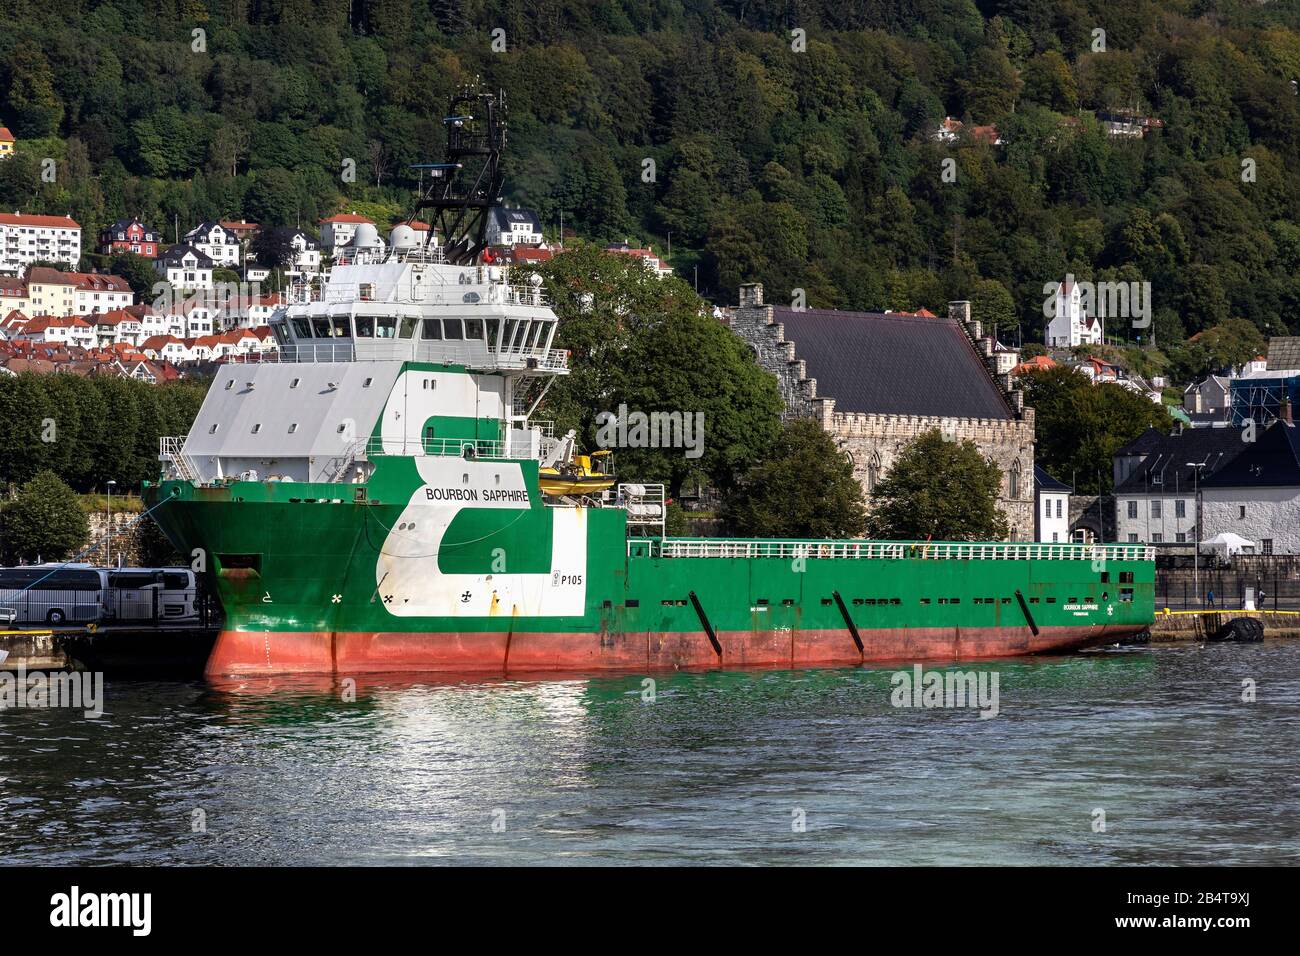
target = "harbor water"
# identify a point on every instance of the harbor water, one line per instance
(1123, 756)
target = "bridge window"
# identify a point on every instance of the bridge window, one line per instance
(431, 329)
(301, 327)
(493, 332)
(341, 328)
(386, 327)
(453, 330)
(365, 326)
(474, 329)
(408, 326)
(320, 326)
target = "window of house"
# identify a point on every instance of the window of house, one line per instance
(1243, 512)
(1181, 538)
(1059, 503)
(1157, 538)
(1155, 509)
(1180, 508)
(1133, 511)
(1132, 539)
(1265, 545)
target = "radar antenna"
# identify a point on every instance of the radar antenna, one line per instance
(463, 190)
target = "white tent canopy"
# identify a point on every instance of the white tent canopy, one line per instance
(1227, 542)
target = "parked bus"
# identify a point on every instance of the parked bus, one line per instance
(52, 594)
(151, 594)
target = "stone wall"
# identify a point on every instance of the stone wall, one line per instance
(874, 441)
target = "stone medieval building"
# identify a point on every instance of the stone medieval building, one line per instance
(876, 381)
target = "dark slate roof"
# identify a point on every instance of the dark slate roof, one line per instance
(1167, 455)
(1284, 352)
(173, 255)
(1045, 482)
(503, 217)
(890, 363)
(1271, 461)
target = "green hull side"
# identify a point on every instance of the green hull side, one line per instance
(309, 555)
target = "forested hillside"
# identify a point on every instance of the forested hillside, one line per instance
(804, 164)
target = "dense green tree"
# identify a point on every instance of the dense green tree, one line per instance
(803, 488)
(1080, 425)
(938, 490)
(44, 521)
(648, 343)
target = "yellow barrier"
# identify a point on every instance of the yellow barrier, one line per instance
(26, 633)
(1225, 610)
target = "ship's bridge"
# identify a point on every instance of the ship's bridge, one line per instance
(410, 306)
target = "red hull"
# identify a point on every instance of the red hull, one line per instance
(242, 653)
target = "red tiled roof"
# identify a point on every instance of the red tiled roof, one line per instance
(17, 219)
(6, 136)
(347, 217)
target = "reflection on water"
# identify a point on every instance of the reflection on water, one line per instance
(715, 767)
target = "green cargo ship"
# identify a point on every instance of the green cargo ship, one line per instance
(371, 502)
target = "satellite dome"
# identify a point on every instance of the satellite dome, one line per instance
(403, 237)
(367, 237)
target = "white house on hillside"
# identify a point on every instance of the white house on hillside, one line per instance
(1052, 521)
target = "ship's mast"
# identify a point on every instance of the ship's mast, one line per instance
(463, 190)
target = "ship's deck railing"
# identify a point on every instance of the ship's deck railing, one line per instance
(422, 350)
(171, 452)
(866, 550)
(444, 447)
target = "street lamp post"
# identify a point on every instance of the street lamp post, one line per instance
(1196, 467)
(109, 540)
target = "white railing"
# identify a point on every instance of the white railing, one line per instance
(884, 550)
(423, 350)
(171, 451)
(445, 447)
(645, 506)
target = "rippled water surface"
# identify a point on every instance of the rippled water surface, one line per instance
(719, 767)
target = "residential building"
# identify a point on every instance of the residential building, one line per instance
(66, 330)
(28, 239)
(97, 292)
(338, 230)
(1052, 514)
(1070, 325)
(514, 226)
(7, 142)
(130, 236)
(1208, 397)
(1257, 494)
(218, 243)
(243, 231)
(13, 295)
(1158, 478)
(117, 327)
(51, 292)
(185, 267)
(869, 379)
(306, 258)
(951, 130)
(647, 256)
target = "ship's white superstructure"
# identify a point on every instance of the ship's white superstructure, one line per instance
(392, 339)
